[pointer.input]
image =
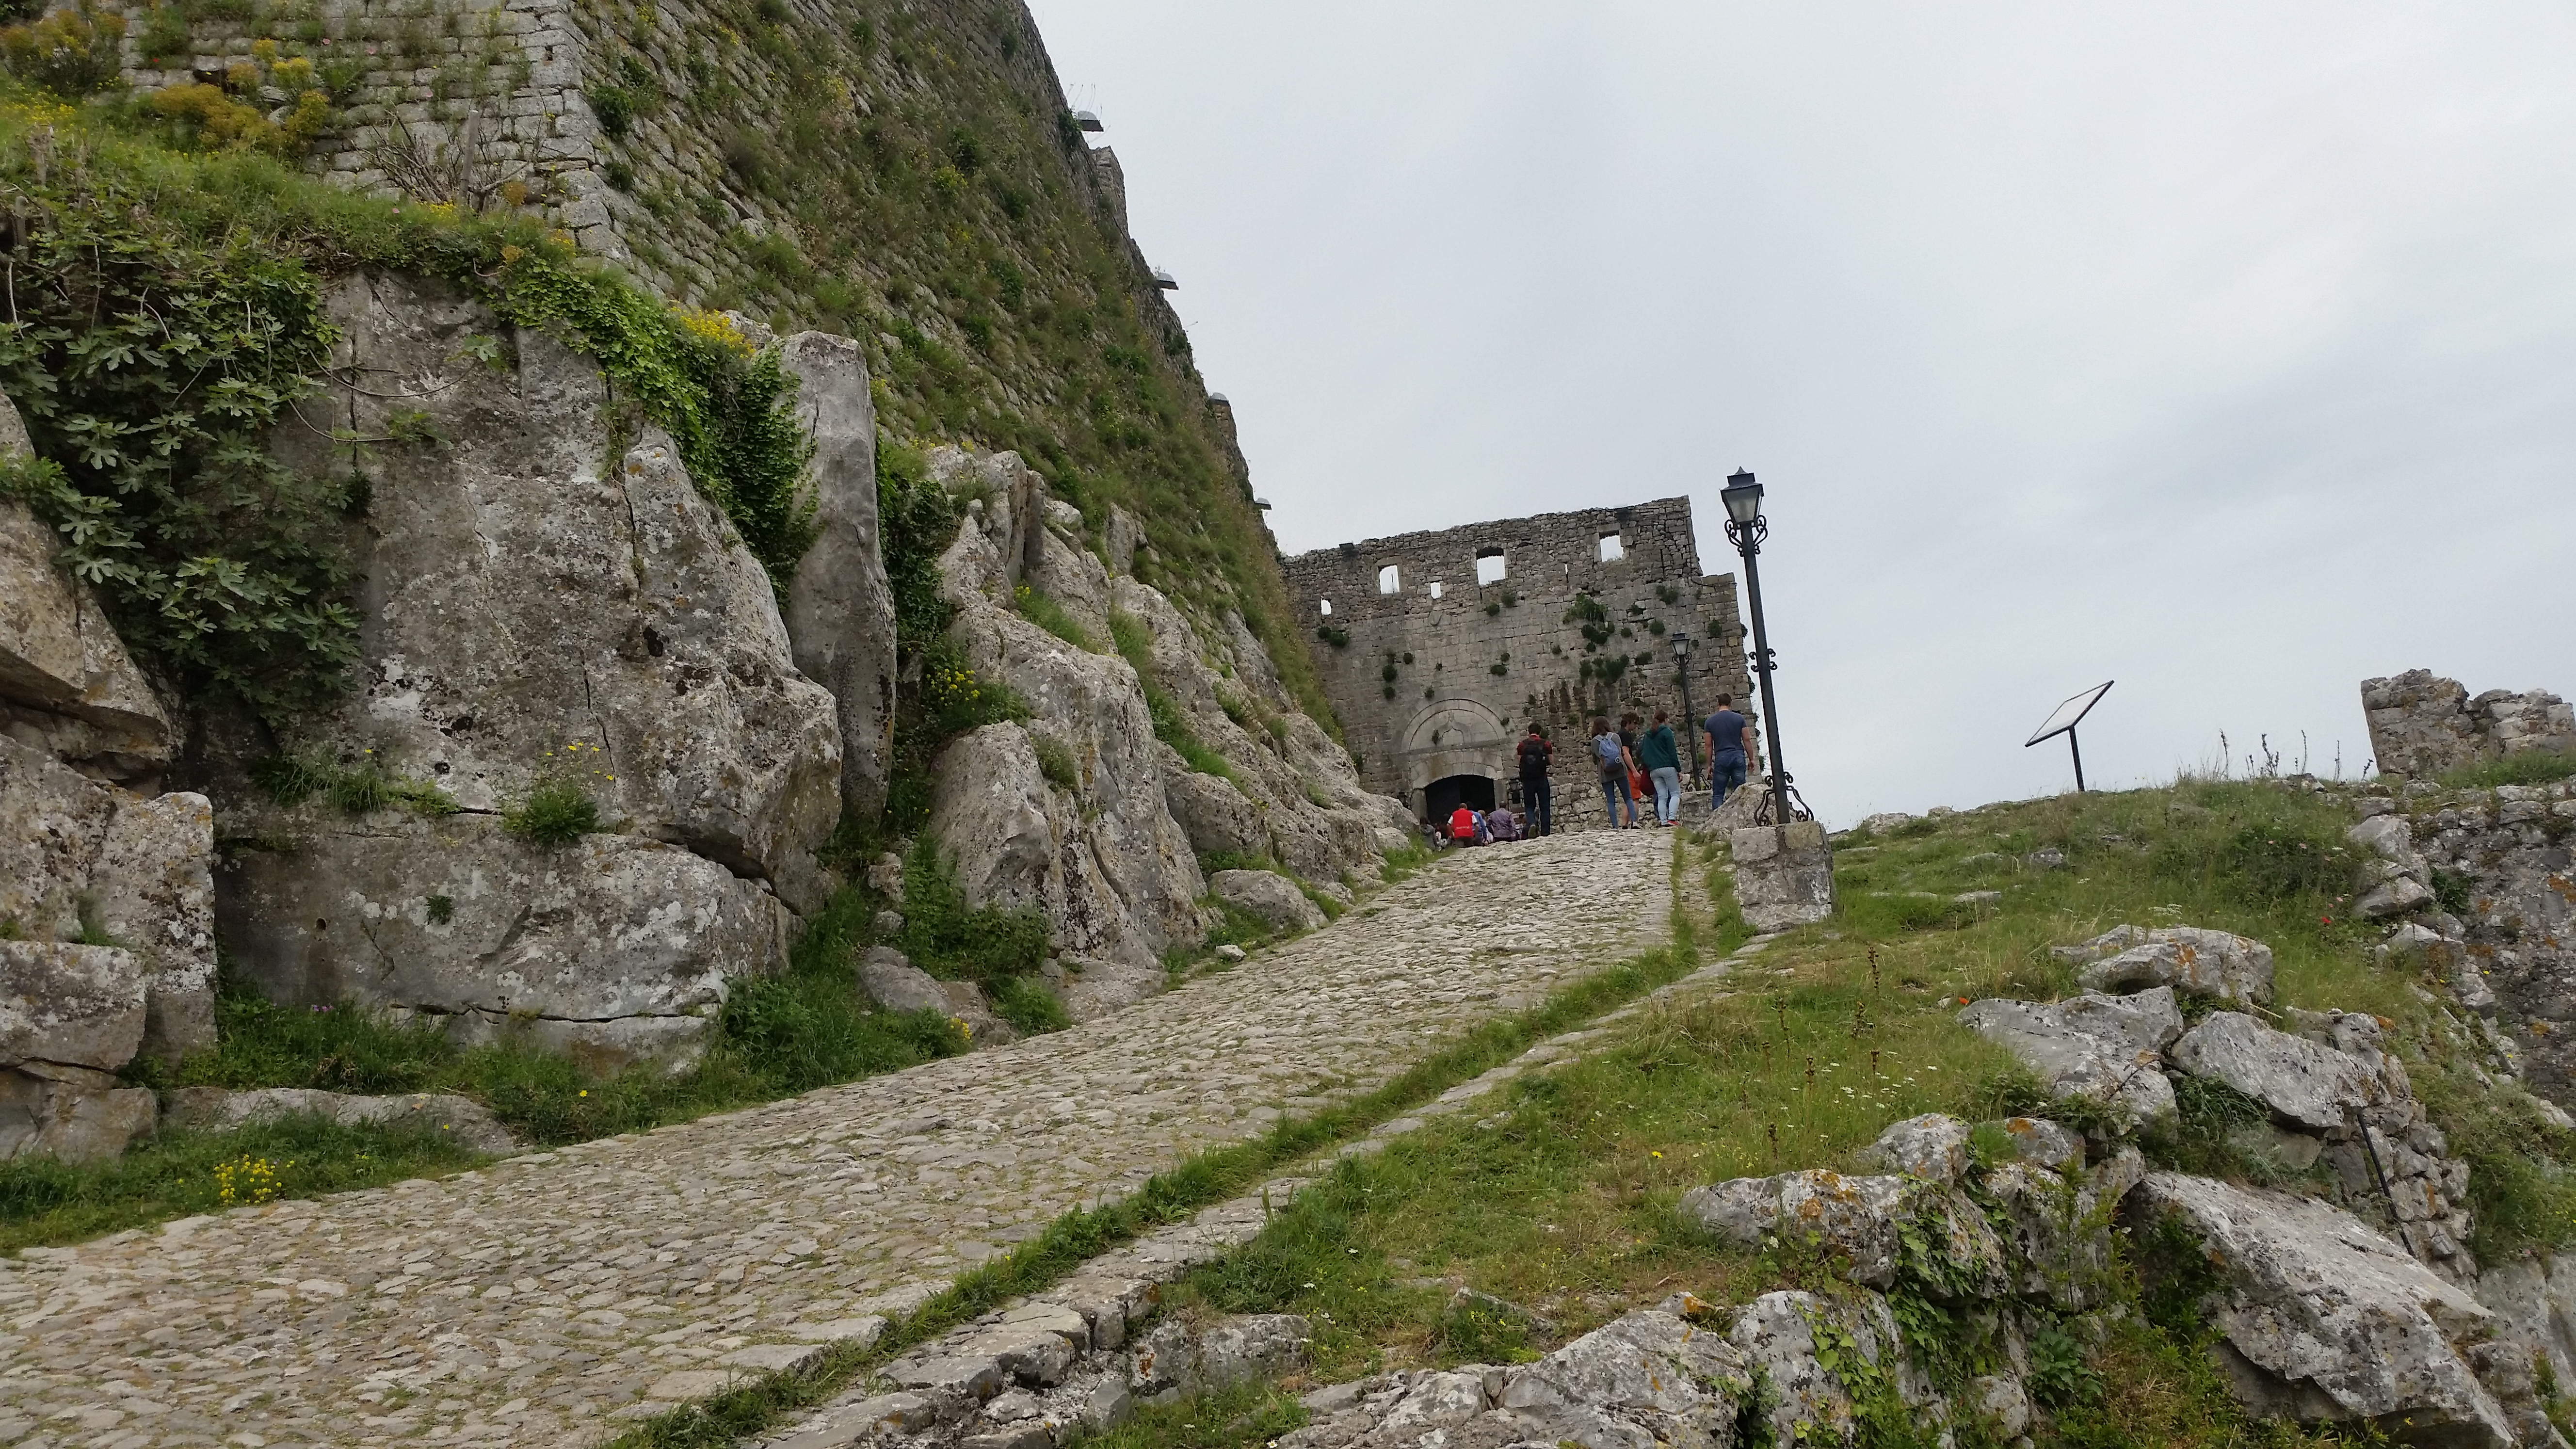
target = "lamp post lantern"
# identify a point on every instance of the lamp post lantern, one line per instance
(1690, 717)
(1746, 528)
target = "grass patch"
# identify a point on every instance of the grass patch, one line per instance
(1561, 1198)
(173, 1175)
(356, 790)
(778, 1036)
(2531, 767)
(1047, 614)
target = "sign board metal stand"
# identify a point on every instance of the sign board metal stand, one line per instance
(2063, 720)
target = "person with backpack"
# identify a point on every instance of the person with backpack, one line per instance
(1730, 745)
(1538, 795)
(1611, 754)
(1659, 754)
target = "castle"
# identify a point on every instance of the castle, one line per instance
(1439, 649)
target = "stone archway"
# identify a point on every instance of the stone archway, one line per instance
(1451, 738)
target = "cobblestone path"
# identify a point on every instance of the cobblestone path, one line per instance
(528, 1303)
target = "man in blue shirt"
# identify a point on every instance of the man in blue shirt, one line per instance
(1730, 745)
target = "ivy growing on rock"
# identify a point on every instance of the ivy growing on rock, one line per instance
(163, 320)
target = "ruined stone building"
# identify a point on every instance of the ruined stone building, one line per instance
(1438, 649)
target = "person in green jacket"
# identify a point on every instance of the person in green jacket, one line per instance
(1660, 757)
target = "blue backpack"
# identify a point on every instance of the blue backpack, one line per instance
(1607, 748)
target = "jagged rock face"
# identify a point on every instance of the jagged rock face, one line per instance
(2323, 1319)
(1859, 1217)
(70, 1015)
(2102, 1047)
(2534, 1302)
(67, 687)
(529, 591)
(2310, 1086)
(1318, 820)
(524, 593)
(85, 862)
(1293, 795)
(2512, 952)
(614, 948)
(840, 612)
(83, 856)
(1113, 862)
(1110, 870)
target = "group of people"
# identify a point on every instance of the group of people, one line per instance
(1630, 761)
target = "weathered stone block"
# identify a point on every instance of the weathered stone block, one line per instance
(1784, 875)
(79, 1006)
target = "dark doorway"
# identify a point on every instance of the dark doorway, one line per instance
(1441, 797)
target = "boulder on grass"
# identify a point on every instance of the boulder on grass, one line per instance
(2322, 1320)
(2311, 1087)
(1860, 1218)
(2101, 1048)
(2213, 965)
(1273, 898)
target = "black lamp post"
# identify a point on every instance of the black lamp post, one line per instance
(1746, 528)
(1690, 717)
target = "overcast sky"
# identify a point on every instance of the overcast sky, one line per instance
(2225, 350)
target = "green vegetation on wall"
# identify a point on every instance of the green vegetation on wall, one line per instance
(925, 191)
(167, 317)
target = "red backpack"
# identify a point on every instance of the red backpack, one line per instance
(1462, 823)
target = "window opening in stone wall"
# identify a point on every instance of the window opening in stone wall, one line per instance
(1489, 566)
(1435, 588)
(1325, 606)
(1390, 580)
(1611, 552)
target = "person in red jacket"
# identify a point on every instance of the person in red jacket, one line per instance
(1463, 825)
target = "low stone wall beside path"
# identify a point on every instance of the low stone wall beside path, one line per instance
(529, 1302)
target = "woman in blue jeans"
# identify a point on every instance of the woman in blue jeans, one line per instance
(1611, 754)
(1660, 756)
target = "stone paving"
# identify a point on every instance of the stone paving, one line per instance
(1062, 1342)
(542, 1300)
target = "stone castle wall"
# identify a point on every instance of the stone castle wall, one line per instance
(465, 97)
(1431, 688)
(498, 102)
(2422, 725)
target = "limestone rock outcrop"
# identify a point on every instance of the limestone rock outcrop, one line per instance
(538, 608)
(1313, 814)
(2505, 943)
(2213, 965)
(839, 610)
(614, 948)
(85, 860)
(1112, 861)
(107, 945)
(2105, 1048)
(461, 1120)
(2323, 1319)
(1784, 874)
(1273, 898)
(70, 1015)
(67, 686)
